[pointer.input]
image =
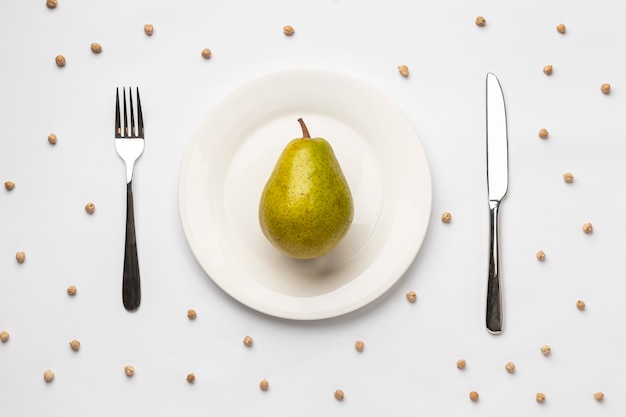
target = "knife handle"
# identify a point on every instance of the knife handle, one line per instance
(494, 288)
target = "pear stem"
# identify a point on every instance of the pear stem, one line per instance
(305, 131)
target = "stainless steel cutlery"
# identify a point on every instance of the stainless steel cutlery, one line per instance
(497, 184)
(129, 144)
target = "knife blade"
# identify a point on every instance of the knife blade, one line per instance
(497, 186)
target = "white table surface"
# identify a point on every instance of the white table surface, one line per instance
(408, 366)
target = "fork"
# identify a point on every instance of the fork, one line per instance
(129, 145)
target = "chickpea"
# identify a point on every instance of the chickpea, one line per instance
(580, 304)
(4, 336)
(605, 88)
(9, 185)
(20, 257)
(191, 314)
(481, 21)
(543, 133)
(129, 370)
(60, 60)
(339, 395)
(560, 28)
(510, 367)
(446, 217)
(541, 255)
(148, 29)
(264, 385)
(51, 4)
(52, 139)
(359, 345)
(90, 208)
(411, 296)
(191, 378)
(587, 228)
(71, 290)
(598, 396)
(461, 363)
(48, 375)
(96, 48)
(540, 397)
(248, 341)
(288, 30)
(403, 70)
(547, 70)
(75, 345)
(474, 396)
(568, 177)
(545, 350)
(206, 53)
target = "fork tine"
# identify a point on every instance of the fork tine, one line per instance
(139, 116)
(125, 113)
(118, 124)
(133, 133)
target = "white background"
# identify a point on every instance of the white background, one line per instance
(408, 366)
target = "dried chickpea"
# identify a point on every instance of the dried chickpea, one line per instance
(605, 88)
(248, 341)
(51, 4)
(480, 21)
(191, 378)
(206, 53)
(598, 396)
(9, 185)
(446, 217)
(359, 345)
(474, 396)
(90, 207)
(52, 139)
(71, 290)
(75, 345)
(545, 350)
(568, 177)
(510, 367)
(60, 60)
(4, 336)
(129, 370)
(541, 255)
(580, 304)
(96, 48)
(264, 385)
(560, 28)
(403, 70)
(48, 375)
(20, 257)
(543, 133)
(540, 397)
(587, 228)
(191, 314)
(339, 395)
(547, 69)
(411, 296)
(148, 29)
(461, 363)
(288, 30)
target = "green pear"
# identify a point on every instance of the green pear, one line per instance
(306, 206)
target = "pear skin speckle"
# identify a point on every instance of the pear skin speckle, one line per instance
(306, 207)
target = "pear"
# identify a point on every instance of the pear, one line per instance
(306, 206)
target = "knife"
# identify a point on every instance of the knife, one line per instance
(497, 185)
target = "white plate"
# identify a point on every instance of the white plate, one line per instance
(233, 153)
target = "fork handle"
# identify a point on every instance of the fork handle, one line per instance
(494, 284)
(131, 288)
